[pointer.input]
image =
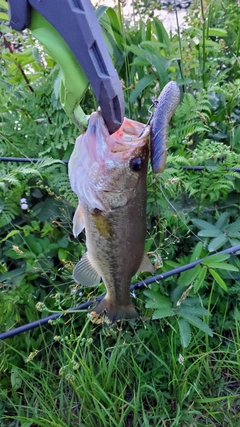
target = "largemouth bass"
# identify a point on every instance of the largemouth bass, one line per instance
(108, 174)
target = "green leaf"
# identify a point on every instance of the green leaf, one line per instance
(233, 227)
(47, 229)
(195, 321)
(176, 294)
(209, 233)
(185, 332)
(218, 279)
(222, 220)
(10, 234)
(4, 29)
(141, 85)
(189, 276)
(161, 33)
(221, 265)
(3, 16)
(195, 311)
(26, 424)
(217, 32)
(200, 279)
(4, 5)
(148, 29)
(116, 28)
(13, 273)
(16, 379)
(210, 43)
(235, 242)
(138, 61)
(34, 244)
(136, 50)
(204, 225)
(63, 242)
(161, 64)
(156, 300)
(152, 45)
(216, 258)
(217, 243)
(196, 252)
(233, 234)
(62, 254)
(186, 81)
(163, 312)
(100, 11)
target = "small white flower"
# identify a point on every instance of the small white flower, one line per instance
(196, 40)
(181, 359)
(23, 204)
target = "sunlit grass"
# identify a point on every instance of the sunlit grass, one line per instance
(134, 376)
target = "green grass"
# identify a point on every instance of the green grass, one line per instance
(72, 373)
(134, 376)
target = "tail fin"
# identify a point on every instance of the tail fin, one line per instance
(112, 312)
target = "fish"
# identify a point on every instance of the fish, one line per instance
(108, 174)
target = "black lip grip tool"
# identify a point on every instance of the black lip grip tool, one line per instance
(76, 22)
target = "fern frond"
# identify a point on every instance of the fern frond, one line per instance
(192, 116)
(44, 163)
(8, 213)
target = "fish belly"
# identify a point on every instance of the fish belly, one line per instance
(115, 244)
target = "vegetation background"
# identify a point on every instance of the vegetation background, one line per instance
(179, 364)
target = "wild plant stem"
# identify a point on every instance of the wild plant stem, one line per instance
(207, 317)
(79, 338)
(238, 41)
(203, 44)
(179, 40)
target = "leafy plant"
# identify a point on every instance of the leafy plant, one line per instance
(185, 310)
(222, 232)
(182, 367)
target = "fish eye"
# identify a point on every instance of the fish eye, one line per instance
(136, 164)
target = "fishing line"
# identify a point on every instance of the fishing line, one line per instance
(153, 105)
(180, 217)
(138, 285)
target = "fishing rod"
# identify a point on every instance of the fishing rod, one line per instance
(35, 160)
(138, 285)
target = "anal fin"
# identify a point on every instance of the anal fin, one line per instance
(146, 265)
(84, 273)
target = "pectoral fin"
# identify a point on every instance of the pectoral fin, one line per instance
(84, 273)
(146, 265)
(78, 221)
